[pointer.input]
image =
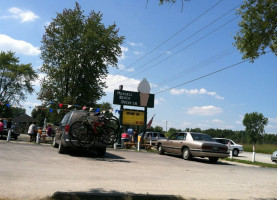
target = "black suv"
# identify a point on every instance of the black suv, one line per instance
(63, 139)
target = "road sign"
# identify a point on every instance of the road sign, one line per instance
(129, 98)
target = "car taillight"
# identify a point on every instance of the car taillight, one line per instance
(66, 130)
(223, 148)
(206, 147)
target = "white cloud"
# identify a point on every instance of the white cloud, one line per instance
(238, 122)
(272, 120)
(159, 100)
(186, 124)
(31, 104)
(37, 82)
(217, 121)
(19, 46)
(133, 44)
(124, 50)
(194, 92)
(204, 110)
(122, 67)
(113, 82)
(137, 52)
(22, 15)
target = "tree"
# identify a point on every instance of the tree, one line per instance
(254, 126)
(76, 52)
(258, 28)
(15, 80)
(11, 112)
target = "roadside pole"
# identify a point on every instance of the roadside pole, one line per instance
(9, 135)
(37, 138)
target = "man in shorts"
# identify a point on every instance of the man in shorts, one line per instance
(32, 131)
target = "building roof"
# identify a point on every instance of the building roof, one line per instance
(24, 118)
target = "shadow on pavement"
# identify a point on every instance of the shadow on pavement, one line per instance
(109, 157)
(100, 194)
(200, 160)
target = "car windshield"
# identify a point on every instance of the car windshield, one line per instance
(201, 137)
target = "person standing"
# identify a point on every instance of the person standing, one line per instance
(1, 127)
(49, 130)
(32, 131)
(9, 124)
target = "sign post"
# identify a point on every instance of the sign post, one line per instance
(142, 98)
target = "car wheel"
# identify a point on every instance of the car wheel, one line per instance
(235, 152)
(213, 159)
(160, 149)
(54, 144)
(62, 148)
(101, 152)
(186, 154)
(15, 137)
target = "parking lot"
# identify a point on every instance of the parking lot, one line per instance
(34, 171)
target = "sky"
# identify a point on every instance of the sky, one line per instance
(180, 51)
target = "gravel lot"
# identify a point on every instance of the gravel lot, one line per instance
(32, 171)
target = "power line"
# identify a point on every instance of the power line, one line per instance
(179, 31)
(203, 76)
(197, 66)
(192, 35)
(187, 46)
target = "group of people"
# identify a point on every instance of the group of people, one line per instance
(133, 135)
(33, 130)
(2, 126)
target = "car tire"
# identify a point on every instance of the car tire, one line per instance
(55, 144)
(186, 154)
(213, 159)
(160, 149)
(101, 152)
(235, 152)
(15, 137)
(62, 148)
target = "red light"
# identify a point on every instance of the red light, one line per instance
(206, 147)
(67, 127)
(223, 148)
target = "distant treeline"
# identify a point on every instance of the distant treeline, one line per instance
(236, 136)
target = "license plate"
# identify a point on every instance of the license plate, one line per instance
(215, 148)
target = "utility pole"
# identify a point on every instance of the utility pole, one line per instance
(166, 126)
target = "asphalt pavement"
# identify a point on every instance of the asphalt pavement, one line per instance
(31, 171)
(259, 157)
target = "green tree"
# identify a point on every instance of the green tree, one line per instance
(11, 112)
(76, 52)
(158, 129)
(15, 79)
(40, 115)
(258, 28)
(254, 126)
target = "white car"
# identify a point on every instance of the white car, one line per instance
(232, 146)
(274, 157)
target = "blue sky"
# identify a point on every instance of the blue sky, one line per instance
(169, 47)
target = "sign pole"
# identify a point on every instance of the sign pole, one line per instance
(120, 118)
(145, 124)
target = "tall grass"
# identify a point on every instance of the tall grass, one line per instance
(260, 148)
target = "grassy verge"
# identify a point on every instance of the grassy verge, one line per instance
(260, 164)
(260, 148)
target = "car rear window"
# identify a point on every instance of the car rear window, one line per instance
(76, 116)
(66, 118)
(201, 137)
(162, 135)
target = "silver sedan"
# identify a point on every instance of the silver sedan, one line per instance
(190, 145)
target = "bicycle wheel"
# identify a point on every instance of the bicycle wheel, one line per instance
(81, 133)
(110, 131)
